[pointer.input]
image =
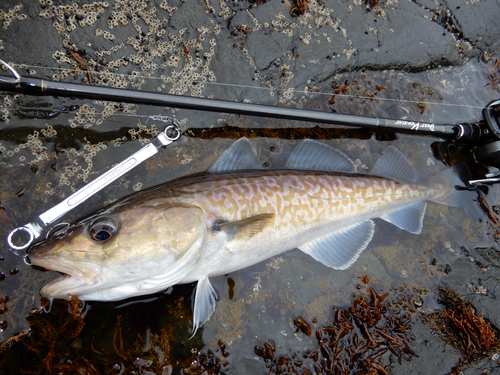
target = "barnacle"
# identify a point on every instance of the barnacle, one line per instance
(11, 15)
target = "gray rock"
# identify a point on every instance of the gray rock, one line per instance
(275, 45)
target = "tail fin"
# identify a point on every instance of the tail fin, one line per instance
(457, 194)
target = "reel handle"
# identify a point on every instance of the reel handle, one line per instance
(489, 153)
(491, 115)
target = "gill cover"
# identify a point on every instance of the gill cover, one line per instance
(131, 250)
(158, 245)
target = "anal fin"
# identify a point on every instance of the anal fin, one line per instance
(339, 250)
(204, 303)
(410, 218)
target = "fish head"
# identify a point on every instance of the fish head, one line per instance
(124, 252)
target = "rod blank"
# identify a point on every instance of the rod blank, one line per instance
(37, 86)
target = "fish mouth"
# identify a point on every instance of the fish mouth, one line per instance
(75, 277)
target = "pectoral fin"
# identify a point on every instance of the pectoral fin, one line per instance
(243, 229)
(339, 250)
(204, 303)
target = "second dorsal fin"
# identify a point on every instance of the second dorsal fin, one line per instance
(394, 164)
(314, 155)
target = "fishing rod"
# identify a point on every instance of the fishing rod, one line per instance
(485, 133)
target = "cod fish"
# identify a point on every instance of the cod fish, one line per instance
(235, 215)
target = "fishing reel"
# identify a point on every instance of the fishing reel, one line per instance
(489, 153)
(482, 138)
(475, 143)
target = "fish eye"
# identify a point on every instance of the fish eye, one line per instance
(103, 229)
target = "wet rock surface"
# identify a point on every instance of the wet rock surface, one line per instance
(437, 59)
(250, 40)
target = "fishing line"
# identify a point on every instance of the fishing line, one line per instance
(485, 133)
(269, 89)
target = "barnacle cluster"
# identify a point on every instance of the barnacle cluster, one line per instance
(180, 59)
(146, 49)
(67, 17)
(151, 131)
(85, 116)
(11, 15)
(188, 60)
(4, 108)
(49, 132)
(106, 34)
(34, 145)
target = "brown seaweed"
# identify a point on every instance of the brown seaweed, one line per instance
(462, 327)
(358, 340)
(303, 326)
(209, 362)
(299, 7)
(494, 74)
(51, 336)
(62, 341)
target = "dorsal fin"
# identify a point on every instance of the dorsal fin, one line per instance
(393, 163)
(241, 155)
(314, 155)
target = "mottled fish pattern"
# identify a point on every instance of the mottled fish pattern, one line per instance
(215, 223)
(296, 197)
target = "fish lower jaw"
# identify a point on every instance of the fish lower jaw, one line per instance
(76, 277)
(63, 286)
